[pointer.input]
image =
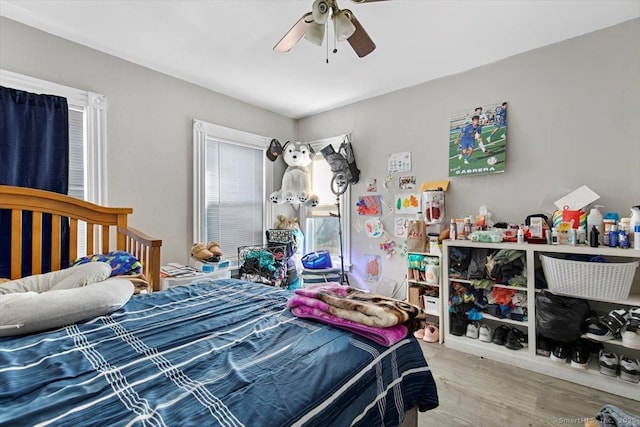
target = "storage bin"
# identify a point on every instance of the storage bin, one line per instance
(431, 305)
(607, 281)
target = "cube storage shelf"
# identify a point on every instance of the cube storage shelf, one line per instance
(527, 358)
(418, 283)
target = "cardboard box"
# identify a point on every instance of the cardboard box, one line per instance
(414, 295)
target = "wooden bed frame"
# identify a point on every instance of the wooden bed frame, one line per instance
(101, 223)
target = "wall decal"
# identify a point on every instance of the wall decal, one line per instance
(400, 224)
(407, 182)
(400, 162)
(373, 267)
(407, 203)
(372, 185)
(369, 205)
(373, 227)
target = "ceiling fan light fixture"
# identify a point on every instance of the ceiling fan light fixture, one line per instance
(344, 28)
(315, 33)
(320, 11)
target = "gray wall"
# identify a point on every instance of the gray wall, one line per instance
(574, 119)
(149, 126)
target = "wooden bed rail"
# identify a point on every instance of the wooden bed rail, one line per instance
(86, 222)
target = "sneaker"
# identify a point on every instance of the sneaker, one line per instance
(431, 334)
(466, 162)
(488, 139)
(515, 339)
(579, 356)
(597, 330)
(560, 352)
(630, 333)
(500, 335)
(544, 346)
(629, 369)
(609, 363)
(485, 333)
(459, 156)
(472, 330)
(615, 320)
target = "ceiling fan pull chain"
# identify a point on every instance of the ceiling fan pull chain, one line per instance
(327, 36)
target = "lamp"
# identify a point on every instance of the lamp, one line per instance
(344, 28)
(315, 33)
(320, 11)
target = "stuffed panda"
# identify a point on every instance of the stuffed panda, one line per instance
(296, 181)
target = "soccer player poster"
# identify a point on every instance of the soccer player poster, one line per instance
(478, 140)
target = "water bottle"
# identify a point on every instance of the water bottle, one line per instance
(572, 237)
(582, 236)
(613, 236)
(594, 219)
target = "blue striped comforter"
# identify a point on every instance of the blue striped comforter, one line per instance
(216, 353)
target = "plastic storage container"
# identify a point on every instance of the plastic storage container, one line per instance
(598, 280)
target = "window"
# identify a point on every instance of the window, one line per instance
(320, 224)
(87, 138)
(230, 187)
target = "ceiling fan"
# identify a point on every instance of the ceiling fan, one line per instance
(312, 26)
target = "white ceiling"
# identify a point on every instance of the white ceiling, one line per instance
(226, 45)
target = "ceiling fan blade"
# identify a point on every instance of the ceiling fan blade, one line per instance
(294, 35)
(360, 40)
(365, 1)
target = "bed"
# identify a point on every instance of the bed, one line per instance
(216, 352)
(106, 229)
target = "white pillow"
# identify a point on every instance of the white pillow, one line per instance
(26, 312)
(72, 277)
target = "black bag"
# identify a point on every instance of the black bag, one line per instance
(560, 318)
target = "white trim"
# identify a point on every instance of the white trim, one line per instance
(202, 130)
(95, 106)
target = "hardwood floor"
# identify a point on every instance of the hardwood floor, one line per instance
(474, 391)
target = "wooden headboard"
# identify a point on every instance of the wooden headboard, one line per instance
(101, 223)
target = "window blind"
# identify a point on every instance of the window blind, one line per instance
(234, 194)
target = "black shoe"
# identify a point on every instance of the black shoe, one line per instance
(561, 352)
(515, 339)
(580, 355)
(500, 335)
(458, 324)
(544, 346)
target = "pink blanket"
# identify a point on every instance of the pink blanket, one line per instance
(382, 319)
(385, 336)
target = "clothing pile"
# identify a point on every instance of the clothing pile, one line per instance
(379, 318)
(484, 269)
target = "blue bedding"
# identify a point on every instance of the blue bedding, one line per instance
(223, 352)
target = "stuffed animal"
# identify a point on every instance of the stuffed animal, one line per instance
(296, 181)
(287, 223)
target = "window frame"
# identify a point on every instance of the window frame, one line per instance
(203, 130)
(95, 109)
(345, 200)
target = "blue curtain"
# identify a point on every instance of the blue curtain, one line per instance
(34, 152)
